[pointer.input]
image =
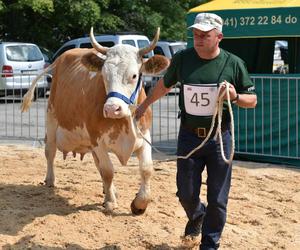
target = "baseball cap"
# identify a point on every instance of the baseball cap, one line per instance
(207, 21)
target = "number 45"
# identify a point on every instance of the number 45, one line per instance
(203, 99)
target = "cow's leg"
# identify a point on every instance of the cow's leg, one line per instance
(50, 147)
(144, 154)
(106, 171)
(96, 160)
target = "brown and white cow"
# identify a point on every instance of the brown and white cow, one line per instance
(89, 111)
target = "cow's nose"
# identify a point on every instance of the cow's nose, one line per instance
(112, 110)
(117, 110)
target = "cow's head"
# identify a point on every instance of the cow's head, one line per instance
(122, 66)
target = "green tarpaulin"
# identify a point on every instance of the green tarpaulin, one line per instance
(252, 27)
(263, 18)
(271, 131)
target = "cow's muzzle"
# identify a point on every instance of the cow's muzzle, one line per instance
(114, 111)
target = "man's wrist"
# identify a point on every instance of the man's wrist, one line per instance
(236, 99)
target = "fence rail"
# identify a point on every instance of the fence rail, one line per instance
(270, 132)
(14, 125)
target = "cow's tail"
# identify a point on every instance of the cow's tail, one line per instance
(27, 99)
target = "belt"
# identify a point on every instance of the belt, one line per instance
(202, 132)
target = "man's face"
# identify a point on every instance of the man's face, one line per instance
(208, 40)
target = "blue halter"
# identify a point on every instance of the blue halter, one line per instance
(123, 97)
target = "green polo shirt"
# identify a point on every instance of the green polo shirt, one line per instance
(188, 68)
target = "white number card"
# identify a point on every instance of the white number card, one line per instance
(200, 99)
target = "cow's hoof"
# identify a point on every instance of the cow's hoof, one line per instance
(47, 184)
(109, 207)
(135, 210)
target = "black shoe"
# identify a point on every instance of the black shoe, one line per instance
(193, 227)
(204, 247)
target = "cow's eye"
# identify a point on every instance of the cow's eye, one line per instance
(134, 76)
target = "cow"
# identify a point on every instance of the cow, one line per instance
(92, 97)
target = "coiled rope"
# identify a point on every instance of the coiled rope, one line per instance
(217, 113)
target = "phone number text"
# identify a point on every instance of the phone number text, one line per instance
(260, 20)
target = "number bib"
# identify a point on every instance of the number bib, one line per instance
(200, 99)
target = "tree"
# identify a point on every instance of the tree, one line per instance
(49, 23)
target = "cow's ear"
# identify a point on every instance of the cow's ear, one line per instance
(92, 61)
(155, 64)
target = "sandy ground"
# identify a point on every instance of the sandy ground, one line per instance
(264, 206)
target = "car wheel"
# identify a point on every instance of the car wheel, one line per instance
(39, 93)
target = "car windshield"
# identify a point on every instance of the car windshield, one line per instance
(130, 42)
(23, 53)
(176, 48)
(143, 44)
(89, 45)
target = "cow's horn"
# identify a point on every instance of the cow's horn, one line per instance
(96, 45)
(146, 50)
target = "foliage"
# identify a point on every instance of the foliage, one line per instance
(49, 23)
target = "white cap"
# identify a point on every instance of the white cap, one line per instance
(207, 21)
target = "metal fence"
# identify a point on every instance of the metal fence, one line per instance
(269, 130)
(14, 125)
(22, 126)
(30, 126)
(165, 123)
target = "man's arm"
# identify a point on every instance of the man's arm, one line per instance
(243, 100)
(157, 92)
(246, 100)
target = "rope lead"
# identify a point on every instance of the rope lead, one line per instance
(217, 112)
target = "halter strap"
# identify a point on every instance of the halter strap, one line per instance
(123, 97)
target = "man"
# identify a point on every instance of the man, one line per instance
(204, 65)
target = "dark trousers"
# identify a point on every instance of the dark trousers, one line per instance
(218, 181)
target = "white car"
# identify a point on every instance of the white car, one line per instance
(169, 48)
(139, 41)
(109, 40)
(20, 63)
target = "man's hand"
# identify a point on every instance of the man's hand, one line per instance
(232, 91)
(158, 91)
(243, 101)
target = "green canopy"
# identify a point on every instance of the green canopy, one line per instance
(257, 18)
(252, 29)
